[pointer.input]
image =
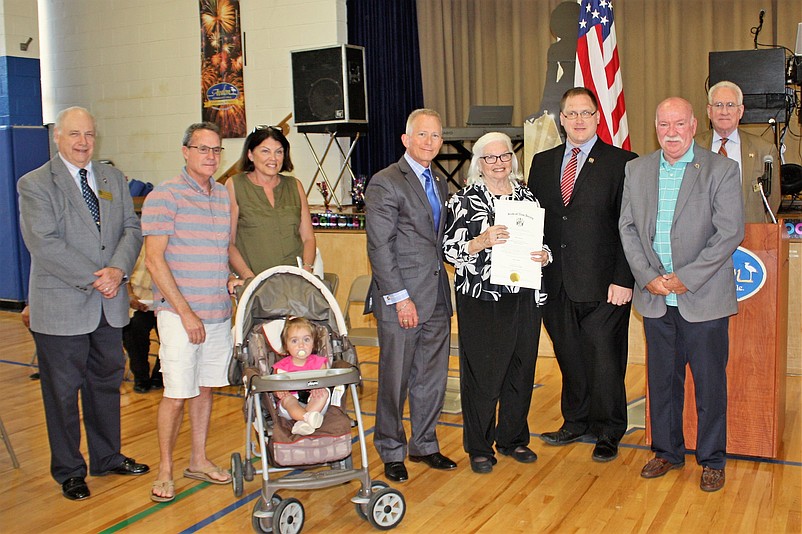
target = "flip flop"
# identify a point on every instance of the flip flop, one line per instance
(164, 485)
(203, 475)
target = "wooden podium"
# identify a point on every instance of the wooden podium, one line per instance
(757, 363)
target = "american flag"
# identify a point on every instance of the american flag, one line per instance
(598, 69)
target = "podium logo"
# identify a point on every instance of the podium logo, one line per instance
(750, 273)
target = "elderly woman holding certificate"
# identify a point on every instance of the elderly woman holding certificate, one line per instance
(499, 325)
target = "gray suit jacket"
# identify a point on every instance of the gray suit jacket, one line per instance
(708, 226)
(753, 149)
(66, 247)
(403, 248)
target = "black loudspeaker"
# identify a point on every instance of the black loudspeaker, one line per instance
(761, 76)
(329, 89)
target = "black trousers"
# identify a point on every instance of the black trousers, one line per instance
(672, 342)
(498, 352)
(590, 343)
(136, 340)
(92, 364)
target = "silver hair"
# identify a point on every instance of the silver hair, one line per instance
(64, 112)
(199, 126)
(724, 84)
(417, 113)
(474, 172)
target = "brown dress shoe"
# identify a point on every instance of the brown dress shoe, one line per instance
(712, 479)
(657, 467)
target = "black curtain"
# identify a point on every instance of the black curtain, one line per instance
(389, 33)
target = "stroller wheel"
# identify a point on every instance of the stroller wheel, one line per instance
(236, 474)
(362, 509)
(386, 509)
(261, 517)
(288, 517)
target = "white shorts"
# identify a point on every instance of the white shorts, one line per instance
(187, 367)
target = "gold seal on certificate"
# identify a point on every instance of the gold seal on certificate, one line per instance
(512, 263)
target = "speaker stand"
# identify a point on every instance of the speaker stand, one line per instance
(319, 162)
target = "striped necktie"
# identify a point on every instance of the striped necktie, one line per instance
(90, 198)
(569, 174)
(721, 149)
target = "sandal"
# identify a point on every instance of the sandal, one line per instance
(204, 475)
(167, 486)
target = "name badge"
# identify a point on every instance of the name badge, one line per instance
(106, 195)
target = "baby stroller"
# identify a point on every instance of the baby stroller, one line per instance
(322, 459)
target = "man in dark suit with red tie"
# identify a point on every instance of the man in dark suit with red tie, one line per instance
(589, 285)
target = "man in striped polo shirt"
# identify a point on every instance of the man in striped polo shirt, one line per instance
(186, 222)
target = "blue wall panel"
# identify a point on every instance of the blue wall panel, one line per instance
(20, 92)
(22, 149)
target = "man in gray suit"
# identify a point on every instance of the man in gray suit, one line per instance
(681, 220)
(78, 222)
(410, 297)
(725, 107)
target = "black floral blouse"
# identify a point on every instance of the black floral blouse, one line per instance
(470, 212)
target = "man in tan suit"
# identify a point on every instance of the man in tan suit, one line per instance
(725, 107)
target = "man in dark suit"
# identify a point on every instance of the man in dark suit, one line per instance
(681, 219)
(725, 107)
(78, 222)
(589, 286)
(410, 297)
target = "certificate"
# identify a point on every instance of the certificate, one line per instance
(511, 263)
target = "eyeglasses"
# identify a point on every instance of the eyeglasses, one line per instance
(573, 115)
(721, 105)
(203, 149)
(490, 160)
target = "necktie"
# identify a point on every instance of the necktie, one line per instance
(90, 198)
(433, 200)
(721, 149)
(569, 174)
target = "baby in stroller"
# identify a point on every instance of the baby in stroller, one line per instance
(288, 459)
(307, 407)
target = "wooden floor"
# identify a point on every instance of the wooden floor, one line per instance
(564, 491)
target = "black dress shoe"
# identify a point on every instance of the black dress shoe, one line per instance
(396, 471)
(435, 461)
(561, 437)
(75, 489)
(606, 449)
(141, 386)
(522, 454)
(483, 464)
(128, 467)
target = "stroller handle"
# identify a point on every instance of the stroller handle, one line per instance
(300, 380)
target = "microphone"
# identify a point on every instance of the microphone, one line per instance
(768, 163)
(756, 30)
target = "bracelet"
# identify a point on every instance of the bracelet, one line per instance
(308, 265)
(403, 307)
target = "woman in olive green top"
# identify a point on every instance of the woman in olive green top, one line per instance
(270, 221)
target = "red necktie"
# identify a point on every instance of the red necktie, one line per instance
(721, 149)
(569, 174)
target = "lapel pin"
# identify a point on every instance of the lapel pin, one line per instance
(590, 160)
(696, 165)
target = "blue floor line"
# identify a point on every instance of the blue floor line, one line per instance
(242, 501)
